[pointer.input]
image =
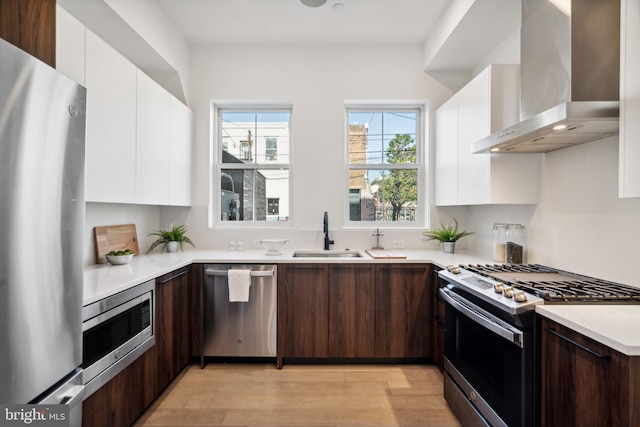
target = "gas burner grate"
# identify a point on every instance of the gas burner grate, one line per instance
(554, 285)
(580, 291)
(487, 269)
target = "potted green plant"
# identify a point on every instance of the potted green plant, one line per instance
(447, 235)
(171, 239)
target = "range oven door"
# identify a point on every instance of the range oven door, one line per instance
(490, 362)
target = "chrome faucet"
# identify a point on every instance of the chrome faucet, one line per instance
(377, 235)
(327, 241)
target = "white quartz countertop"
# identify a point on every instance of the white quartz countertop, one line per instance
(616, 326)
(103, 280)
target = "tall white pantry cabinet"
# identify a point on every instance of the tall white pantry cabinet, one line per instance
(138, 135)
(629, 172)
(488, 103)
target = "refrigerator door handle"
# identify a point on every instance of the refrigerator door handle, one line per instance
(70, 393)
(73, 396)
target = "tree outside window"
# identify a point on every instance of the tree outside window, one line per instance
(383, 165)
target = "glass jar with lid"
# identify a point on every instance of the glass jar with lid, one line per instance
(515, 244)
(499, 241)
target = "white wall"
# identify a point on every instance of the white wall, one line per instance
(146, 219)
(317, 81)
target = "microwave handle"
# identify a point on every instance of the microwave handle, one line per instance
(484, 319)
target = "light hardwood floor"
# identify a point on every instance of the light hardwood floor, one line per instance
(303, 395)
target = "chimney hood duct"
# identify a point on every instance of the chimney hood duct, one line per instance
(570, 77)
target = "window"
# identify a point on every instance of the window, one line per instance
(272, 148)
(384, 166)
(253, 168)
(273, 206)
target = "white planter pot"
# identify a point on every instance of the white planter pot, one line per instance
(172, 246)
(449, 247)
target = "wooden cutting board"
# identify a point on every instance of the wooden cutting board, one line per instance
(384, 254)
(114, 238)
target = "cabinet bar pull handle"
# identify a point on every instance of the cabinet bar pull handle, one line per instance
(175, 276)
(570, 341)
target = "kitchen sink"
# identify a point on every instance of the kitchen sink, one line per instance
(327, 254)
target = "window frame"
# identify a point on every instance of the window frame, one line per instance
(420, 107)
(218, 107)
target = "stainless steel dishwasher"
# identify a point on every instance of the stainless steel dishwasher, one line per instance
(240, 329)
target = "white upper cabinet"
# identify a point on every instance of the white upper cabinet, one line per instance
(487, 104)
(111, 124)
(152, 142)
(179, 167)
(138, 143)
(629, 182)
(70, 46)
(446, 153)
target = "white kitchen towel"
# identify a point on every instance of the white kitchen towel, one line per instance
(239, 284)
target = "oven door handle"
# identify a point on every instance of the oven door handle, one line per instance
(483, 318)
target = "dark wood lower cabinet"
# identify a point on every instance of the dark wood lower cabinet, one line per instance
(437, 313)
(172, 320)
(403, 311)
(302, 310)
(354, 311)
(123, 399)
(351, 310)
(119, 402)
(585, 383)
(196, 311)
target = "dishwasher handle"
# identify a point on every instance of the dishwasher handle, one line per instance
(214, 272)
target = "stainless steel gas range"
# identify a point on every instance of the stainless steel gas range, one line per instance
(492, 336)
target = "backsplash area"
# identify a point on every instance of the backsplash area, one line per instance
(579, 223)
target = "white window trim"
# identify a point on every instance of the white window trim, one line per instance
(215, 167)
(422, 214)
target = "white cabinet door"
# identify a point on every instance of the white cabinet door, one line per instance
(180, 154)
(474, 119)
(70, 56)
(487, 104)
(152, 153)
(111, 124)
(446, 153)
(629, 182)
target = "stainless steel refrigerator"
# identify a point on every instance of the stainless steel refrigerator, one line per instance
(42, 145)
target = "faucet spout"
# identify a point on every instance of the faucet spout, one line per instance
(327, 241)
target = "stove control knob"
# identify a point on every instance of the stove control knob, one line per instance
(519, 296)
(453, 269)
(498, 287)
(508, 291)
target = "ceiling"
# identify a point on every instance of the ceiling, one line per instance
(290, 22)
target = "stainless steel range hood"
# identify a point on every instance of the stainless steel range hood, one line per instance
(570, 77)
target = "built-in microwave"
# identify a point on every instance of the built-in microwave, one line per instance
(115, 332)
